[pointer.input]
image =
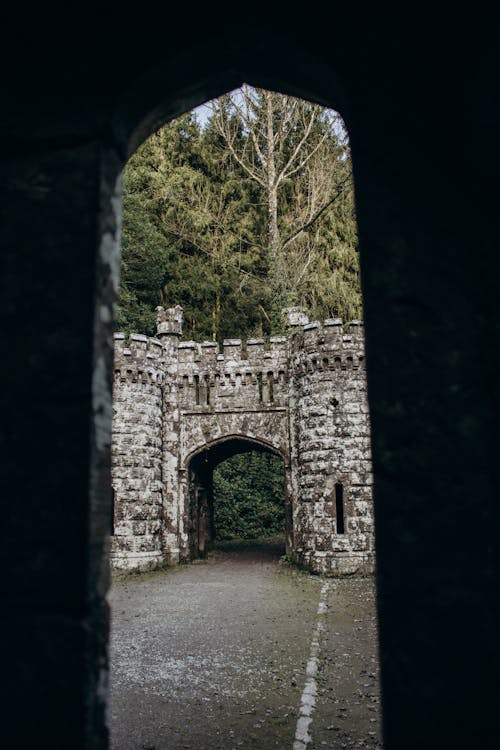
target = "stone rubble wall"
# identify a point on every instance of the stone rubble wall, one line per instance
(303, 395)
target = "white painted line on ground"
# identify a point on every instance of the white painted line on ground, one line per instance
(308, 699)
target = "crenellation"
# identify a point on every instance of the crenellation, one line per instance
(155, 349)
(233, 355)
(188, 352)
(139, 337)
(278, 346)
(356, 330)
(209, 352)
(312, 326)
(255, 350)
(334, 324)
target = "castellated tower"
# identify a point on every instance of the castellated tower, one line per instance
(333, 518)
(181, 407)
(136, 452)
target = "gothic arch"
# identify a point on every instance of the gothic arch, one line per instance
(154, 98)
(424, 299)
(250, 443)
(198, 496)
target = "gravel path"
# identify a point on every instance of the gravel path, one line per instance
(213, 656)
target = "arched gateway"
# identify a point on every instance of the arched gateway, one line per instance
(180, 408)
(200, 466)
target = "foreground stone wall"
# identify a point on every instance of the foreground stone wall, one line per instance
(430, 286)
(302, 396)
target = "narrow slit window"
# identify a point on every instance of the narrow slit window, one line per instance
(259, 381)
(197, 388)
(339, 507)
(207, 385)
(270, 386)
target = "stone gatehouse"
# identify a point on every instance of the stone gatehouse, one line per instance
(181, 408)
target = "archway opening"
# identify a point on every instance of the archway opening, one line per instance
(241, 214)
(237, 492)
(205, 231)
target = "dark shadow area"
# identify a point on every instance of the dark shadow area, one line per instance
(269, 549)
(420, 99)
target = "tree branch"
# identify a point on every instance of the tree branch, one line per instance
(306, 159)
(316, 216)
(299, 147)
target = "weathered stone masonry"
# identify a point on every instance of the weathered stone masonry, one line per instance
(181, 407)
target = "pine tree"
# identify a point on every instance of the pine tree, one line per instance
(198, 229)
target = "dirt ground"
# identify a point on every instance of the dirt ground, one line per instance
(213, 655)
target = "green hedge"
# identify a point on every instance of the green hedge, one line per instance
(249, 496)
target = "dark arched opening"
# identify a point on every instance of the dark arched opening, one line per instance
(198, 512)
(428, 303)
(205, 522)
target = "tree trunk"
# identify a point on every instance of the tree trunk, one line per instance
(275, 265)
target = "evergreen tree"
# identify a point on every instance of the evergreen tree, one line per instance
(196, 227)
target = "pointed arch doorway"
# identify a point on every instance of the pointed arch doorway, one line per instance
(201, 500)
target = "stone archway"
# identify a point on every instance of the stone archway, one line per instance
(200, 466)
(433, 367)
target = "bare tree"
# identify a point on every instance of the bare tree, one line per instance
(284, 143)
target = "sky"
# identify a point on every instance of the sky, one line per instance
(203, 113)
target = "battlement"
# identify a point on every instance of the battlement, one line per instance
(234, 353)
(330, 336)
(309, 346)
(235, 375)
(138, 358)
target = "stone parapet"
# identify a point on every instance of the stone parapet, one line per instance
(138, 357)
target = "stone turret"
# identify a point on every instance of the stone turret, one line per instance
(331, 433)
(169, 331)
(295, 316)
(169, 321)
(136, 452)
